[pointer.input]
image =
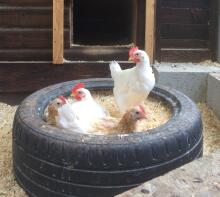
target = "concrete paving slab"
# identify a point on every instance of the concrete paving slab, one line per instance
(191, 79)
(213, 92)
(200, 178)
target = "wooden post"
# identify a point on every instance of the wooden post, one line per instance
(58, 31)
(149, 28)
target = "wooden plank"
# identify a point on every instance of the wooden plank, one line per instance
(75, 54)
(25, 38)
(184, 15)
(149, 28)
(26, 2)
(185, 55)
(32, 38)
(30, 2)
(34, 76)
(58, 31)
(185, 3)
(31, 16)
(182, 31)
(97, 53)
(26, 54)
(184, 43)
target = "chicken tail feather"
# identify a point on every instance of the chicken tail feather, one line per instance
(114, 68)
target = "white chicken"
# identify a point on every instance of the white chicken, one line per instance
(86, 109)
(132, 86)
(63, 116)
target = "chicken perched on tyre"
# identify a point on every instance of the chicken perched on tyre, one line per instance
(85, 107)
(132, 86)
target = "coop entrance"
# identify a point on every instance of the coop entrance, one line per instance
(99, 22)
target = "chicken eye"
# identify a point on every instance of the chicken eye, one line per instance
(137, 112)
(79, 92)
(137, 54)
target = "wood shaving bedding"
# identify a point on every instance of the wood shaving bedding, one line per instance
(158, 112)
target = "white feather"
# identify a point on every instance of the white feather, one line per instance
(87, 110)
(132, 86)
(67, 119)
(114, 68)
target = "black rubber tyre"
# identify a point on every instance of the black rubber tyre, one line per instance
(50, 162)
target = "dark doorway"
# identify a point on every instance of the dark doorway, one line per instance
(101, 22)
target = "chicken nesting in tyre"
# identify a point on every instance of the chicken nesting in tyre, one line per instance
(85, 107)
(127, 124)
(132, 86)
(61, 114)
(52, 111)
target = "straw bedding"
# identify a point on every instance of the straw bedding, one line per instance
(159, 113)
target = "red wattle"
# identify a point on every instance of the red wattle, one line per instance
(136, 60)
(78, 98)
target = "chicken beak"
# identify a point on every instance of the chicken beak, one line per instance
(130, 59)
(73, 94)
(76, 96)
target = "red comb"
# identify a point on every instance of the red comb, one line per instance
(78, 86)
(132, 50)
(142, 109)
(62, 98)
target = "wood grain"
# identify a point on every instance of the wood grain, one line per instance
(186, 3)
(58, 31)
(184, 43)
(149, 28)
(29, 16)
(183, 30)
(28, 38)
(185, 55)
(184, 15)
(31, 76)
(74, 54)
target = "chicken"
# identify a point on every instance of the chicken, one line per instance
(127, 124)
(85, 107)
(60, 114)
(52, 111)
(132, 86)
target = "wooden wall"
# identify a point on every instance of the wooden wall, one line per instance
(183, 30)
(26, 33)
(26, 30)
(182, 34)
(26, 49)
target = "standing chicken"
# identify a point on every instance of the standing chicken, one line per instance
(85, 107)
(132, 86)
(127, 124)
